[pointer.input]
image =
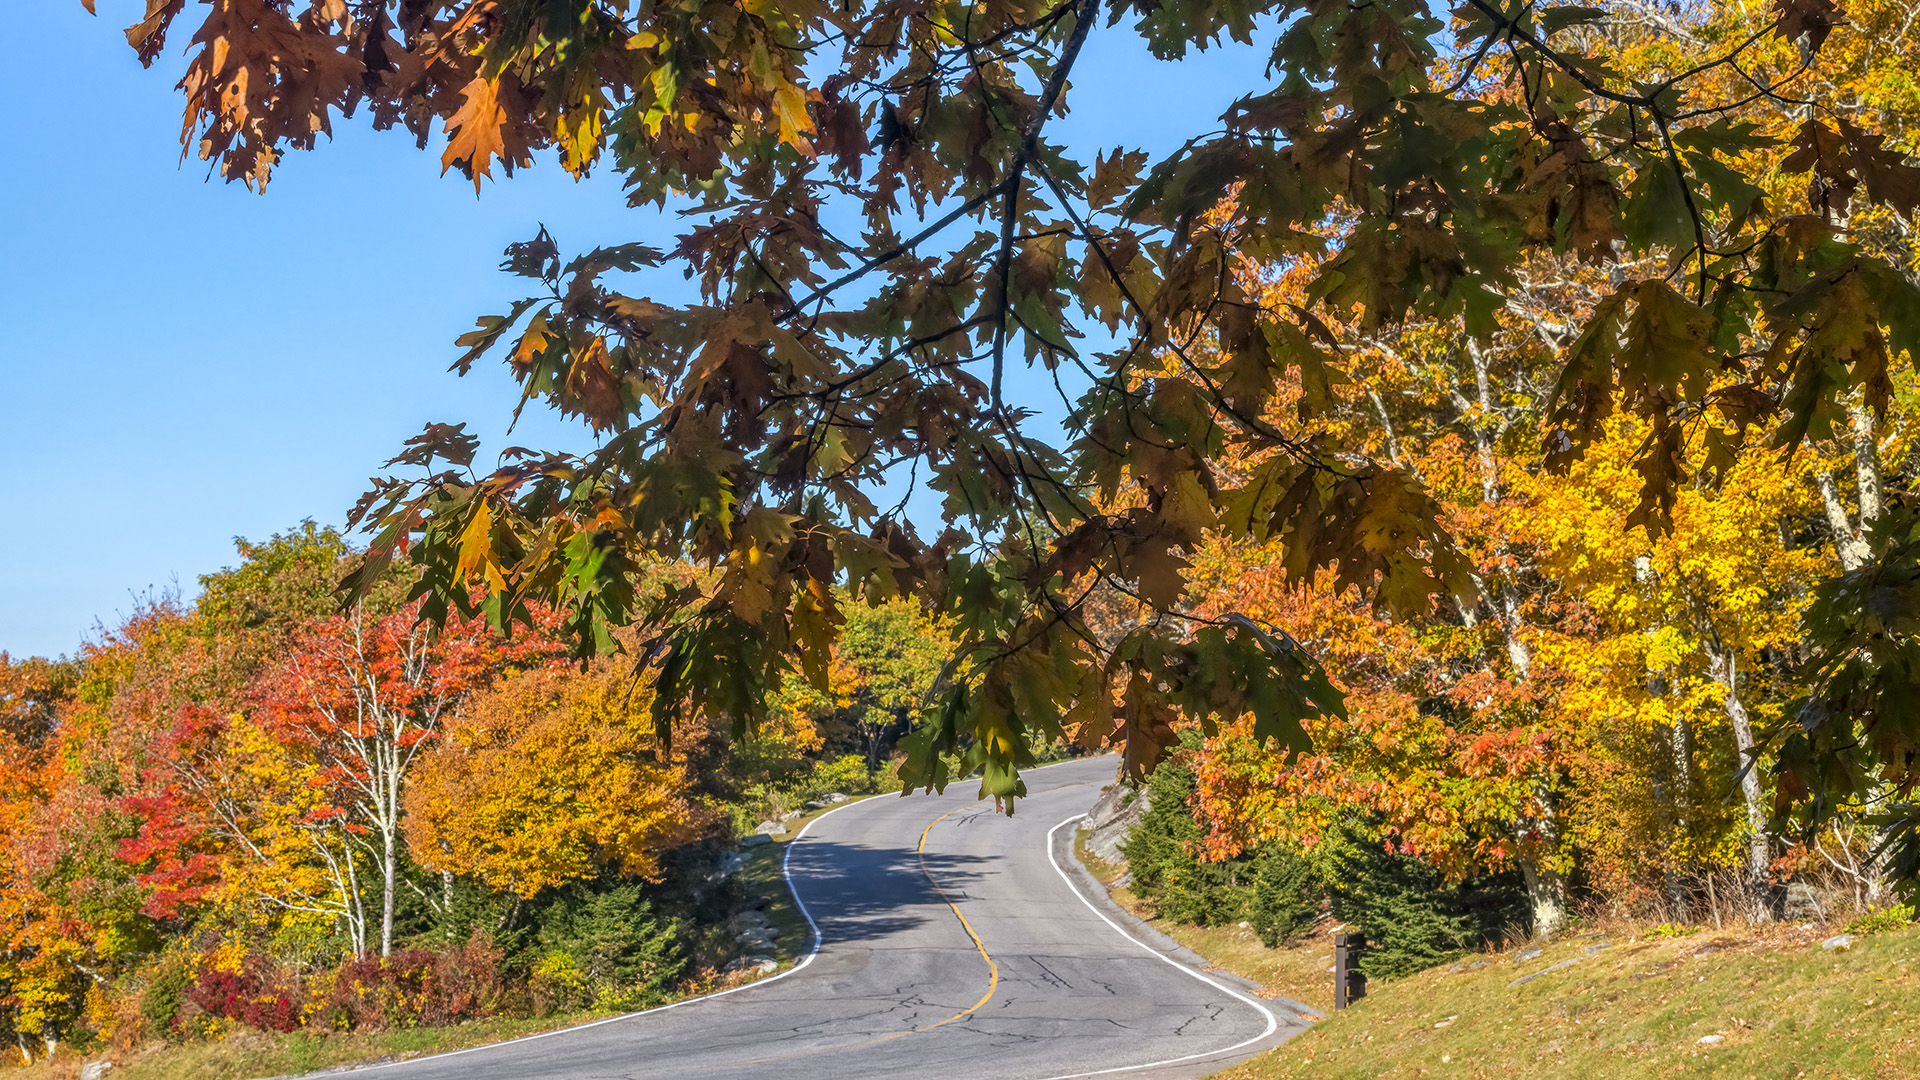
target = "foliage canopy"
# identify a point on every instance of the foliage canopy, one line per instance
(880, 223)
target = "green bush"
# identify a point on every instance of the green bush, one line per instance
(1879, 920)
(1411, 916)
(1161, 855)
(847, 775)
(1286, 895)
(166, 990)
(608, 944)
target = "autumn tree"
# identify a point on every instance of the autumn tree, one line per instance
(366, 697)
(32, 692)
(886, 661)
(549, 778)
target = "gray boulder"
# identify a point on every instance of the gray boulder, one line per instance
(758, 939)
(1802, 903)
(1112, 818)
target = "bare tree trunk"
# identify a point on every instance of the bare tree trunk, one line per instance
(1682, 821)
(357, 914)
(1866, 466)
(1546, 888)
(388, 866)
(1724, 667)
(1850, 549)
(1849, 539)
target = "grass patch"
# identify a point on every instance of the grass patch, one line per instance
(1772, 1004)
(246, 1053)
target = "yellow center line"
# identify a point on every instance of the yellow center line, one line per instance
(993, 969)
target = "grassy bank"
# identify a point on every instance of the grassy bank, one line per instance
(1751, 1004)
(1768, 1004)
(244, 1053)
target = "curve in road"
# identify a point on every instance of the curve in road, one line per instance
(969, 954)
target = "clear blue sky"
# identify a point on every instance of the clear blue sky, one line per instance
(184, 362)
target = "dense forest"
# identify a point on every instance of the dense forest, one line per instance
(259, 810)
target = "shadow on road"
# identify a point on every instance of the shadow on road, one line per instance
(859, 892)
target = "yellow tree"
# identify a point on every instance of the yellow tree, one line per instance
(1699, 623)
(548, 778)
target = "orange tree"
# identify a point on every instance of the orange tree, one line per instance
(753, 427)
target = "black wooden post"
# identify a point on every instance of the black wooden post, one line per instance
(1349, 985)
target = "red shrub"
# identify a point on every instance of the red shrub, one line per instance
(251, 996)
(412, 987)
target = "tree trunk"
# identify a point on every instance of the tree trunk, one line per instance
(1848, 548)
(1725, 669)
(356, 906)
(386, 898)
(1866, 466)
(1546, 888)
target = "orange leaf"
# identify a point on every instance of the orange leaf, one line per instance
(490, 124)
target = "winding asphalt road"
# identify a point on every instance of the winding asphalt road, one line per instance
(952, 947)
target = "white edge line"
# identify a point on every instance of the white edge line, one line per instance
(1273, 1022)
(786, 874)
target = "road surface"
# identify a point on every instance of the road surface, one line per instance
(970, 958)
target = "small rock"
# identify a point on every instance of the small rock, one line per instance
(1246, 926)
(770, 827)
(756, 840)
(94, 1070)
(1596, 947)
(1476, 965)
(1838, 941)
(814, 804)
(760, 964)
(1802, 903)
(1710, 1040)
(1544, 970)
(1708, 951)
(735, 862)
(834, 798)
(751, 920)
(791, 814)
(1526, 955)
(1447, 1021)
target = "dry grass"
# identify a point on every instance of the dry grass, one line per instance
(1781, 1007)
(247, 1053)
